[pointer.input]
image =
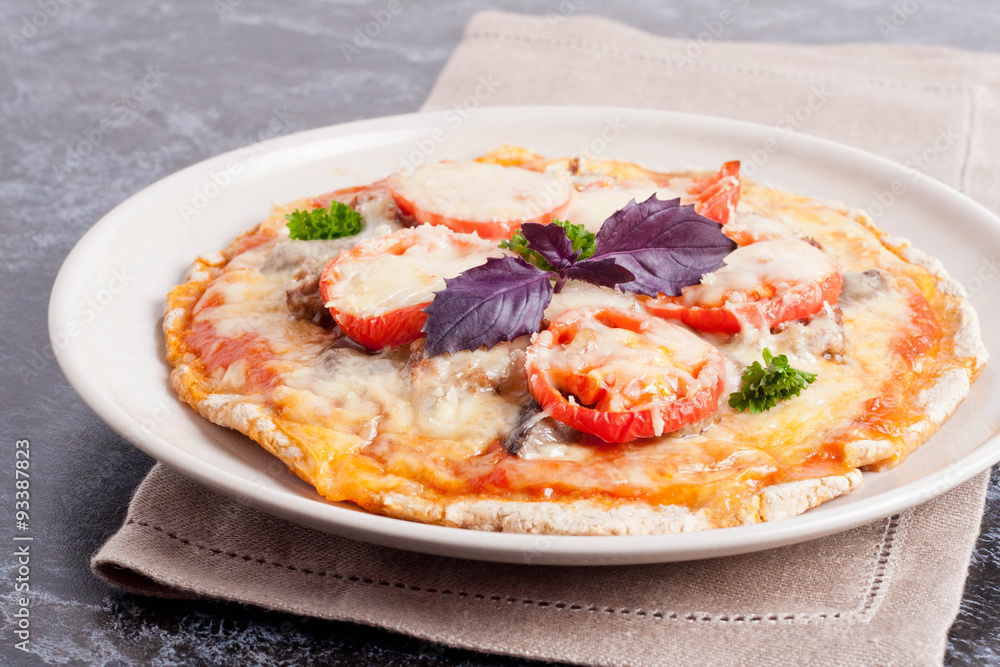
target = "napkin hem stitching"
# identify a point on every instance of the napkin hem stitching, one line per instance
(717, 66)
(884, 561)
(873, 592)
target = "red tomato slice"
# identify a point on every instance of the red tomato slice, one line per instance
(751, 228)
(401, 326)
(718, 195)
(477, 197)
(377, 290)
(622, 375)
(323, 201)
(762, 284)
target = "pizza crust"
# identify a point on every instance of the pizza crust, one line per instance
(543, 518)
(968, 339)
(254, 418)
(589, 518)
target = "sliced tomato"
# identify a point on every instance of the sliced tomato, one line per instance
(751, 228)
(401, 326)
(761, 285)
(716, 197)
(377, 290)
(345, 194)
(489, 199)
(622, 375)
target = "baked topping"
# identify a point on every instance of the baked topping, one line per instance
(622, 375)
(475, 197)
(718, 195)
(645, 248)
(632, 410)
(762, 285)
(377, 291)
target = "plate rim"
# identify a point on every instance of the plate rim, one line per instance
(482, 545)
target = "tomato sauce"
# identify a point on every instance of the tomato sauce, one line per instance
(217, 352)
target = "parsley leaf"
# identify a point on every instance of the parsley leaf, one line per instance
(764, 386)
(324, 223)
(581, 240)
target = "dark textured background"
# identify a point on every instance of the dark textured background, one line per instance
(231, 72)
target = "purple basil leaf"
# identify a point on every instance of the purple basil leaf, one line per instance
(499, 300)
(666, 246)
(551, 242)
(600, 271)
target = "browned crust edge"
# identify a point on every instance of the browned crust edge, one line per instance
(581, 517)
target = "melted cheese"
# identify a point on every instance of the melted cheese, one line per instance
(480, 192)
(751, 227)
(592, 206)
(374, 284)
(454, 410)
(621, 369)
(576, 295)
(778, 264)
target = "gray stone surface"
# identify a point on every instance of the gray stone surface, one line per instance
(102, 99)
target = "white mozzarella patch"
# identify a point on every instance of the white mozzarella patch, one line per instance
(783, 262)
(250, 259)
(384, 282)
(760, 228)
(459, 414)
(576, 294)
(249, 302)
(634, 369)
(479, 192)
(591, 207)
(234, 377)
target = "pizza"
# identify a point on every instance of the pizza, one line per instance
(573, 346)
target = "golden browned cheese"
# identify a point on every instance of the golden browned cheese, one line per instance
(421, 438)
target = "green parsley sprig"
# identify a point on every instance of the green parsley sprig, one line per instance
(582, 240)
(764, 386)
(324, 223)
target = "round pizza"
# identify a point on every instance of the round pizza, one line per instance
(574, 346)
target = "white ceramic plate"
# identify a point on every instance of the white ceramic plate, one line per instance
(105, 309)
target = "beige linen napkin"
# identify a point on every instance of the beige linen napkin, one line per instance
(882, 594)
